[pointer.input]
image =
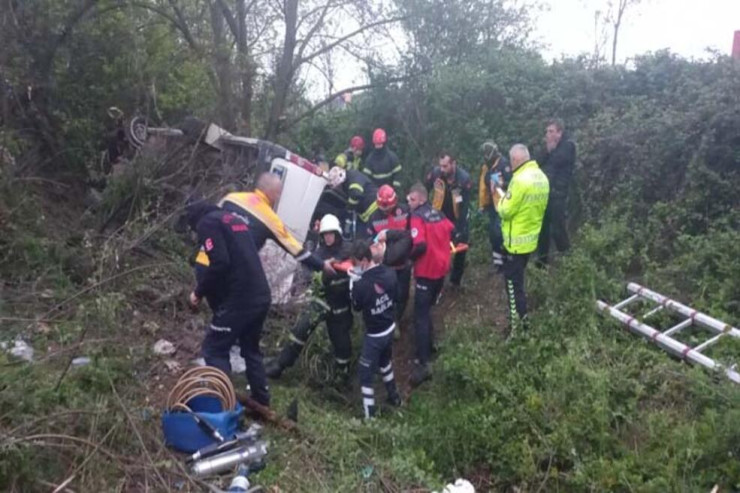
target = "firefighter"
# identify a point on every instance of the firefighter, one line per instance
(333, 307)
(431, 233)
(451, 186)
(361, 193)
(373, 291)
(522, 210)
(495, 168)
(382, 165)
(392, 216)
(230, 276)
(257, 208)
(557, 163)
(352, 157)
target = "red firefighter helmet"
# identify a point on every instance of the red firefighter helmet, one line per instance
(357, 142)
(386, 197)
(379, 136)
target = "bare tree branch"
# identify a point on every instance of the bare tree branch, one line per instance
(344, 38)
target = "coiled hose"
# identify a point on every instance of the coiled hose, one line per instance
(202, 381)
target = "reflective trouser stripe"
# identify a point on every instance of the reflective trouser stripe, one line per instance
(296, 340)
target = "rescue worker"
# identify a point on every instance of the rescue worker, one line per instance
(382, 165)
(230, 276)
(257, 208)
(360, 192)
(352, 157)
(332, 307)
(373, 291)
(431, 233)
(557, 162)
(451, 188)
(522, 210)
(495, 168)
(392, 216)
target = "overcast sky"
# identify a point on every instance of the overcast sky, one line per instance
(686, 27)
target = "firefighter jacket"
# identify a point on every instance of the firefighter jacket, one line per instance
(348, 160)
(523, 208)
(266, 224)
(336, 286)
(397, 218)
(361, 194)
(452, 196)
(382, 166)
(373, 295)
(500, 165)
(228, 266)
(431, 233)
(558, 166)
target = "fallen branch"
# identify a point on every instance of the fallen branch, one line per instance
(266, 413)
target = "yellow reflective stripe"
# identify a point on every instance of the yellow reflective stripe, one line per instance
(395, 170)
(357, 186)
(365, 216)
(520, 240)
(202, 258)
(256, 204)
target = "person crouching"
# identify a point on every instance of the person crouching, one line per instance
(373, 288)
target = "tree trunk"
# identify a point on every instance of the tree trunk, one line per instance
(223, 70)
(285, 70)
(246, 71)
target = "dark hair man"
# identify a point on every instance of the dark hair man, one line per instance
(451, 187)
(230, 276)
(431, 233)
(373, 294)
(557, 162)
(382, 165)
(495, 170)
(522, 209)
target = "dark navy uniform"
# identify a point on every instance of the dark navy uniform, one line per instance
(501, 167)
(333, 307)
(451, 196)
(361, 193)
(231, 278)
(373, 295)
(382, 166)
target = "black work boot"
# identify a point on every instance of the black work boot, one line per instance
(421, 374)
(394, 399)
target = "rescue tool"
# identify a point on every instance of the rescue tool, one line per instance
(665, 339)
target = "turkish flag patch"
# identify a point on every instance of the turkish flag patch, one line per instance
(208, 244)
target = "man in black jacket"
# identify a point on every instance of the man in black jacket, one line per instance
(373, 294)
(382, 165)
(557, 162)
(230, 276)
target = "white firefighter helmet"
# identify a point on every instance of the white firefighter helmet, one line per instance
(330, 223)
(337, 176)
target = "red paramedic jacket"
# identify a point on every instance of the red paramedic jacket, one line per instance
(431, 233)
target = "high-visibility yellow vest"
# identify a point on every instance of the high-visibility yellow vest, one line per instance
(522, 209)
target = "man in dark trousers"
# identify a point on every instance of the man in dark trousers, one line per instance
(382, 165)
(494, 171)
(522, 209)
(373, 290)
(230, 276)
(451, 187)
(557, 162)
(392, 216)
(431, 232)
(332, 307)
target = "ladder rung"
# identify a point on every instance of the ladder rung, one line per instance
(653, 311)
(708, 342)
(678, 327)
(626, 302)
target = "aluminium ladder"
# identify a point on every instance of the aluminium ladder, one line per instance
(664, 339)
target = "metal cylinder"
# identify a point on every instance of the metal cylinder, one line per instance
(227, 460)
